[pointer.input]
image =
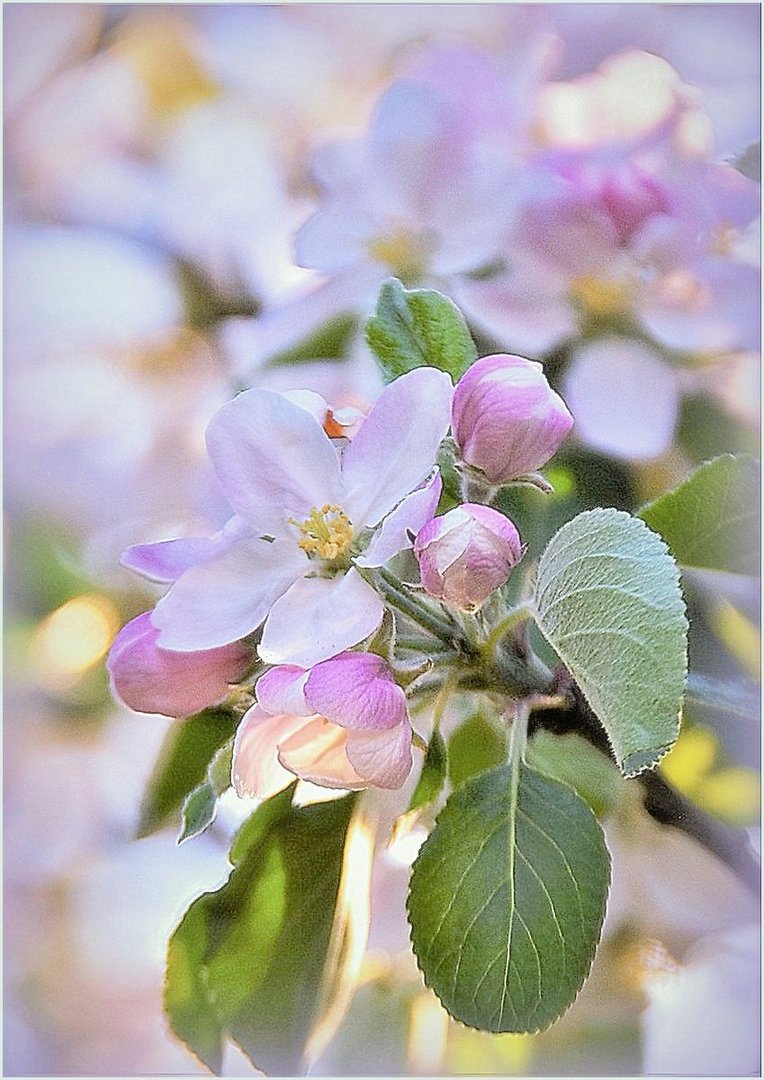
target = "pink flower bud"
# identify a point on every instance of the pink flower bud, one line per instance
(467, 554)
(506, 418)
(150, 679)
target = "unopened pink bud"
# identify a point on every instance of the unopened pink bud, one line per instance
(506, 419)
(150, 679)
(467, 554)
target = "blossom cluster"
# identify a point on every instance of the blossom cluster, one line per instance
(316, 513)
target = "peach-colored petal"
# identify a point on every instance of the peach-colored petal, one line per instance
(316, 752)
(256, 769)
(382, 757)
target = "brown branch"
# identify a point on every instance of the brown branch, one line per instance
(662, 802)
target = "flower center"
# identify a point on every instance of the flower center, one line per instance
(404, 254)
(326, 533)
(600, 298)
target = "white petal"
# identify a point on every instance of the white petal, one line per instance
(397, 444)
(228, 597)
(318, 618)
(272, 458)
(409, 516)
(256, 769)
(530, 321)
(624, 397)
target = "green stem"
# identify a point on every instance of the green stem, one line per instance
(442, 698)
(428, 620)
(519, 733)
(516, 615)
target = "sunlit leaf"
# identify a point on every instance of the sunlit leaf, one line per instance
(607, 599)
(188, 748)
(507, 899)
(711, 520)
(574, 761)
(248, 961)
(200, 806)
(433, 774)
(476, 745)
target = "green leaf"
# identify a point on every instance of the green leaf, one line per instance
(433, 775)
(507, 900)
(475, 746)
(418, 328)
(711, 520)
(182, 763)
(574, 761)
(330, 342)
(247, 962)
(421, 808)
(200, 806)
(608, 600)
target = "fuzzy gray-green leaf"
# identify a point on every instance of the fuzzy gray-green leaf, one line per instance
(608, 600)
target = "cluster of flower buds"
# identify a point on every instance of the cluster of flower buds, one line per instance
(317, 516)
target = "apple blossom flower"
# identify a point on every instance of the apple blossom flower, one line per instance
(427, 193)
(150, 679)
(342, 724)
(467, 554)
(303, 516)
(640, 230)
(507, 420)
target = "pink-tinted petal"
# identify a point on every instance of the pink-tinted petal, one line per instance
(381, 758)
(281, 326)
(335, 238)
(316, 752)
(281, 690)
(409, 516)
(319, 617)
(154, 680)
(713, 309)
(229, 596)
(272, 458)
(256, 770)
(356, 690)
(410, 154)
(528, 318)
(397, 444)
(168, 559)
(625, 398)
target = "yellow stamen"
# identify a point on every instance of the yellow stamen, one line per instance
(326, 533)
(400, 251)
(600, 298)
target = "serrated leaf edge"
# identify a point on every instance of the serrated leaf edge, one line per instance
(659, 752)
(595, 945)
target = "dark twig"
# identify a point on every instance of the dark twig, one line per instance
(662, 802)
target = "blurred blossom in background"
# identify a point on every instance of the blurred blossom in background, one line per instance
(204, 198)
